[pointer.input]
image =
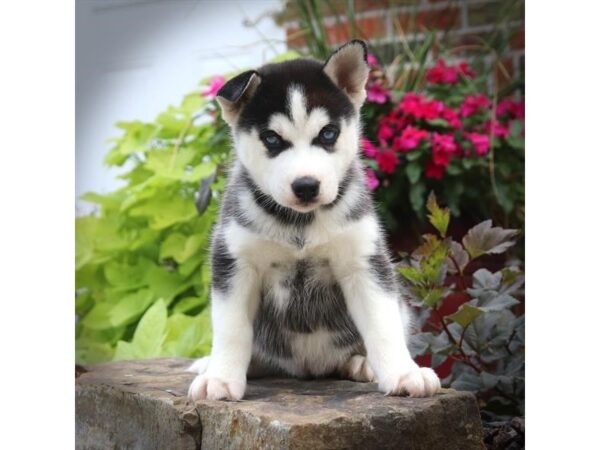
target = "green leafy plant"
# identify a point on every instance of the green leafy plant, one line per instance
(142, 275)
(482, 342)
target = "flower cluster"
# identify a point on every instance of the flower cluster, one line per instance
(440, 130)
(443, 74)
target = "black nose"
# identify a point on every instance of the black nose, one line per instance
(306, 188)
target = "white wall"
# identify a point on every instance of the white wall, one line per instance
(135, 57)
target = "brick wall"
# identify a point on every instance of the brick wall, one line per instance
(460, 24)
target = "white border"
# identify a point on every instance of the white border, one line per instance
(562, 218)
(36, 223)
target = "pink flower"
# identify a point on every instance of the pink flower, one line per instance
(409, 139)
(499, 129)
(411, 104)
(371, 179)
(368, 148)
(466, 70)
(387, 161)
(434, 171)
(444, 142)
(472, 104)
(385, 132)
(451, 117)
(432, 110)
(214, 85)
(442, 74)
(511, 107)
(377, 94)
(481, 142)
(416, 106)
(371, 59)
(443, 147)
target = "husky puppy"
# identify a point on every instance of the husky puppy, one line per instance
(302, 282)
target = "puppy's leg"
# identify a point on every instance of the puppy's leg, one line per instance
(199, 366)
(357, 368)
(233, 311)
(373, 305)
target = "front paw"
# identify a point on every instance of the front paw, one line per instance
(417, 382)
(206, 387)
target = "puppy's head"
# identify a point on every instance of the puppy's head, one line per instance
(296, 124)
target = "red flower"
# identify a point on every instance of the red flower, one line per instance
(415, 105)
(368, 148)
(443, 147)
(215, 84)
(387, 129)
(377, 94)
(442, 74)
(411, 104)
(511, 107)
(371, 59)
(451, 117)
(473, 103)
(409, 139)
(387, 161)
(466, 70)
(481, 142)
(371, 179)
(444, 142)
(432, 110)
(499, 129)
(434, 171)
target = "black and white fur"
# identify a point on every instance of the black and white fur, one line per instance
(302, 282)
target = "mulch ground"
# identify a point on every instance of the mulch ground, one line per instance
(501, 434)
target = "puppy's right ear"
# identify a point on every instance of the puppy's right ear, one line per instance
(236, 93)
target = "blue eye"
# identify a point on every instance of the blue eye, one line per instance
(271, 139)
(274, 143)
(329, 135)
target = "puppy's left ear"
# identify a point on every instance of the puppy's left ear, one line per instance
(234, 95)
(348, 69)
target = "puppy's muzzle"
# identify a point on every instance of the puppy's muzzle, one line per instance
(306, 189)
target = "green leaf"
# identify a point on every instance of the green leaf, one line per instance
(442, 123)
(165, 210)
(459, 257)
(497, 303)
(439, 218)
(411, 274)
(189, 303)
(148, 337)
(465, 315)
(413, 171)
(416, 194)
(486, 280)
(129, 276)
(482, 239)
(188, 335)
(181, 247)
(433, 296)
(99, 317)
(467, 381)
(166, 284)
(454, 169)
(130, 307)
(413, 156)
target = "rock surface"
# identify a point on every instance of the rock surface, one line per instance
(143, 405)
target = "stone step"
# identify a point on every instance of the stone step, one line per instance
(142, 405)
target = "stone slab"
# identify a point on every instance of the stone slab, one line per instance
(142, 405)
